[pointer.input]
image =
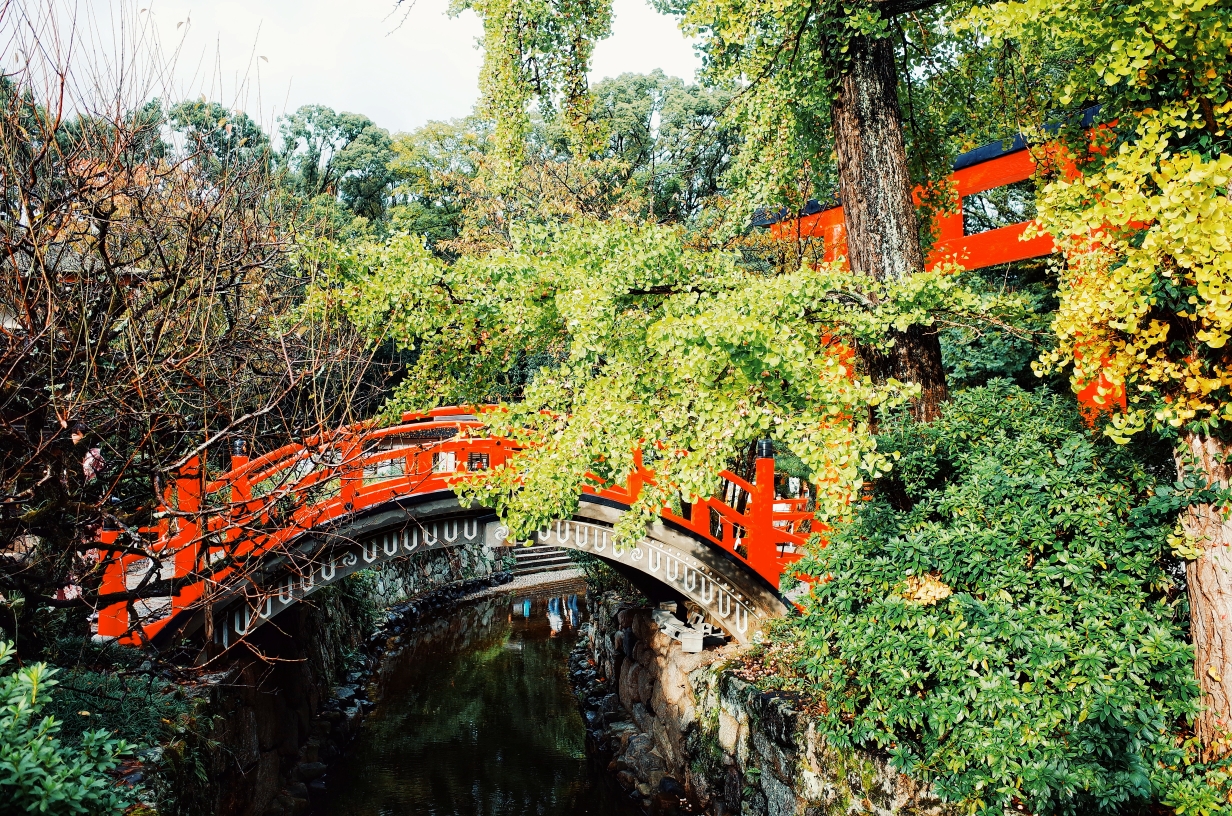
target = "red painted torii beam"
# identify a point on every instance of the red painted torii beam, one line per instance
(975, 175)
(260, 506)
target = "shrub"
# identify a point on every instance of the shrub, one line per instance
(1001, 617)
(38, 774)
(601, 577)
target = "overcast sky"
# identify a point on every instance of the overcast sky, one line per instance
(399, 67)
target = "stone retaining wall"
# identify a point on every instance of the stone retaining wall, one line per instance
(687, 735)
(411, 577)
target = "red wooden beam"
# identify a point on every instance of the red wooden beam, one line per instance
(997, 246)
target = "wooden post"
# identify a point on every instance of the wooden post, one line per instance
(352, 472)
(188, 539)
(763, 554)
(113, 618)
(636, 477)
(241, 488)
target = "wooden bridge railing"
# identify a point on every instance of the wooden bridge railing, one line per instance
(212, 533)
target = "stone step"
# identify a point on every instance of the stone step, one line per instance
(536, 549)
(537, 553)
(534, 557)
(531, 560)
(543, 562)
(539, 570)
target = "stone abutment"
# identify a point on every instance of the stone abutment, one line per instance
(686, 735)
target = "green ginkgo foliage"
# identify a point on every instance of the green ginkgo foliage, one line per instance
(600, 339)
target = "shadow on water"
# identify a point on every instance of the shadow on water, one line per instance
(476, 716)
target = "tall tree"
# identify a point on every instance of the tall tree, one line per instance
(535, 51)
(825, 68)
(661, 153)
(823, 75)
(667, 140)
(337, 154)
(226, 142)
(433, 170)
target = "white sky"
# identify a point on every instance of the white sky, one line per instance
(361, 55)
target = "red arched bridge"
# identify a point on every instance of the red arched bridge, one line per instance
(232, 553)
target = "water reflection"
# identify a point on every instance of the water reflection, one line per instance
(477, 717)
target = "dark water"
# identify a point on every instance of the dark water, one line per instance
(476, 717)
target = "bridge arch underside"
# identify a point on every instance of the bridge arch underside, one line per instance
(669, 563)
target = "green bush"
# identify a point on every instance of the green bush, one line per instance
(38, 774)
(1003, 619)
(601, 577)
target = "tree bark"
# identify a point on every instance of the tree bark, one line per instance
(883, 231)
(1209, 579)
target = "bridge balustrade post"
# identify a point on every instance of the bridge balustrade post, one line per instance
(113, 618)
(188, 502)
(351, 471)
(760, 537)
(699, 517)
(636, 478)
(241, 490)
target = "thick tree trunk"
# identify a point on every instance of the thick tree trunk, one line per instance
(883, 235)
(1210, 595)
(883, 238)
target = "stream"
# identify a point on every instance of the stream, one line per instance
(476, 716)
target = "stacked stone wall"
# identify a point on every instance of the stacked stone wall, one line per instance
(409, 578)
(685, 734)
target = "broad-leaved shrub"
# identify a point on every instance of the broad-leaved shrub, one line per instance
(38, 774)
(1001, 619)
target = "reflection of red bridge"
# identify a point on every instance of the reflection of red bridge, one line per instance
(236, 550)
(233, 552)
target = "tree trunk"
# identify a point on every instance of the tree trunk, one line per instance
(883, 231)
(1210, 594)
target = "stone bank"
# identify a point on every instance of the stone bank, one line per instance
(686, 735)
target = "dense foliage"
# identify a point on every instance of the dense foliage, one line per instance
(1145, 225)
(1000, 618)
(604, 338)
(38, 773)
(1139, 207)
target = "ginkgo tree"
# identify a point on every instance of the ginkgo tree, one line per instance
(606, 339)
(812, 80)
(1143, 215)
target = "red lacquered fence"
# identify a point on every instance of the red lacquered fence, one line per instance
(212, 532)
(995, 246)
(987, 168)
